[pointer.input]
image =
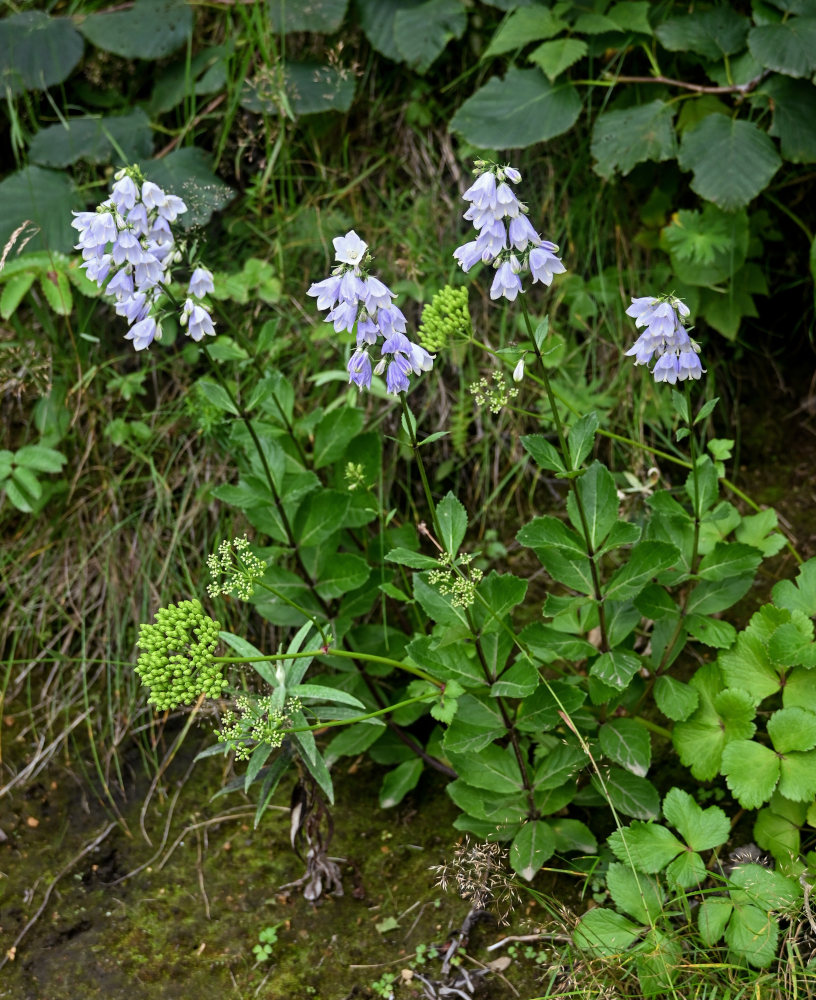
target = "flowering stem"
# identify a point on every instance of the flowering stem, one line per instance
(326, 651)
(293, 604)
(693, 450)
(409, 423)
(596, 580)
(361, 718)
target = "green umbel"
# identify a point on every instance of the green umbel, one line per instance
(177, 656)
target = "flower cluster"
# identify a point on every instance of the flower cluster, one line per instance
(238, 566)
(177, 656)
(664, 338)
(495, 396)
(506, 238)
(129, 240)
(459, 584)
(358, 300)
(445, 318)
(258, 721)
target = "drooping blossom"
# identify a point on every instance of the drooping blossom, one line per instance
(664, 339)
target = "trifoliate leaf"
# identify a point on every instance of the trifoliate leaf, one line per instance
(647, 846)
(763, 887)
(732, 160)
(751, 772)
(753, 934)
(797, 779)
(622, 139)
(777, 834)
(686, 871)
(522, 109)
(702, 829)
(635, 893)
(713, 916)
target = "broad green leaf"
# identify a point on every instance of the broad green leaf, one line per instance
(540, 711)
(708, 246)
(702, 829)
(14, 291)
(57, 292)
(519, 681)
(751, 772)
(629, 793)
(310, 88)
(334, 434)
(17, 497)
(792, 729)
(763, 887)
(788, 47)
(646, 560)
(797, 775)
(453, 520)
(187, 173)
(546, 531)
(377, 19)
(581, 438)
(720, 718)
(712, 918)
(543, 453)
(636, 894)
(324, 16)
(397, 783)
(675, 699)
(350, 741)
(604, 932)
(423, 32)
(133, 34)
(463, 737)
(446, 662)
(556, 56)
(501, 592)
(748, 667)
(532, 846)
(621, 619)
(45, 198)
(35, 456)
(657, 959)
(622, 139)
(794, 111)
(37, 51)
(711, 596)
(96, 140)
(559, 766)
(687, 870)
(711, 631)
(414, 560)
(437, 606)
(713, 33)
(616, 668)
(216, 395)
(729, 559)
(522, 109)
(631, 15)
(753, 934)
(731, 159)
(599, 498)
(528, 24)
(343, 573)
(627, 743)
(493, 769)
(573, 835)
(800, 688)
(320, 515)
(647, 846)
(777, 834)
(799, 595)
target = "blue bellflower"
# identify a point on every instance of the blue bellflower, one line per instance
(505, 237)
(360, 303)
(664, 339)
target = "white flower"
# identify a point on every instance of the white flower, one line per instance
(349, 249)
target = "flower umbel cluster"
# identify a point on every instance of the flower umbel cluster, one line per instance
(495, 396)
(257, 721)
(459, 584)
(129, 240)
(238, 566)
(664, 338)
(445, 318)
(357, 300)
(506, 239)
(177, 656)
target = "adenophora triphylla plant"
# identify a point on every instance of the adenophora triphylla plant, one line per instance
(665, 338)
(129, 240)
(356, 299)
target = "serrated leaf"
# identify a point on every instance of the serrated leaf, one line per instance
(596, 489)
(216, 395)
(344, 572)
(702, 829)
(528, 24)
(543, 453)
(556, 56)
(646, 560)
(777, 834)
(728, 559)
(37, 51)
(604, 932)
(546, 531)
(753, 934)
(751, 772)
(493, 768)
(792, 729)
(616, 668)
(731, 160)
(532, 846)
(748, 667)
(522, 109)
(636, 894)
(797, 776)
(711, 631)
(627, 743)
(713, 33)
(799, 595)
(132, 33)
(14, 291)
(581, 438)
(629, 793)
(397, 783)
(413, 560)
(519, 681)
(319, 516)
(788, 47)
(622, 139)
(559, 766)
(675, 699)
(334, 433)
(35, 456)
(712, 918)
(686, 871)
(647, 846)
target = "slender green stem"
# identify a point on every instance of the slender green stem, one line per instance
(579, 504)
(343, 653)
(293, 604)
(426, 486)
(694, 476)
(360, 718)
